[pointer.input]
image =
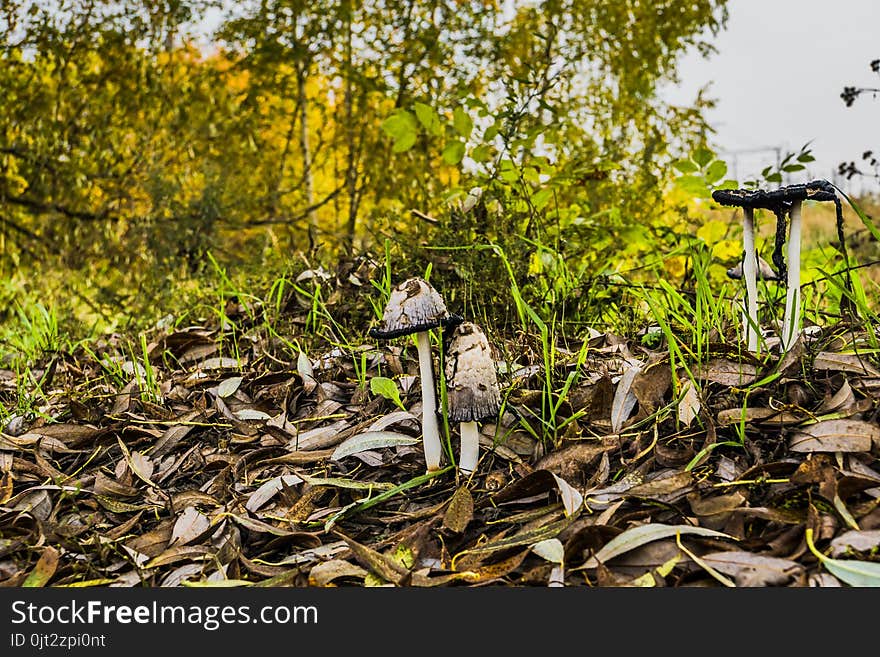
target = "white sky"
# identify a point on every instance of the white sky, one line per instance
(777, 77)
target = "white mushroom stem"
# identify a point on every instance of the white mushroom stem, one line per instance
(792, 318)
(470, 447)
(430, 427)
(750, 274)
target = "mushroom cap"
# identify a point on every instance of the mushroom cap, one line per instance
(777, 200)
(414, 306)
(765, 271)
(471, 381)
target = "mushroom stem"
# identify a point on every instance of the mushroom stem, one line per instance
(470, 447)
(750, 274)
(792, 318)
(430, 427)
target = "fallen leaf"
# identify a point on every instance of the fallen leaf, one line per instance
(478, 575)
(190, 525)
(384, 566)
(349, 484)
(572, 500)
(44, 569)
(391, 418)
(624, 400)
(828, 360)
(850, 571)
(853, 572)
(571, 461)
(637, 536)
(759, 415)
(220, 363)
(750, 569)
(675, 484)
(689, 406)
(228, 387)
(371, 440)
(727, 372)
(460, 510)
(842, 399)
(251, 414)
(550, 549)
(855, 541)
(6, 488)
(324, 573)
(835, 436)
(528, 537)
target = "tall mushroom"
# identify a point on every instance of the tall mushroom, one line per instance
(414, 308)
(748, 201)
(782, 201)
(472, 388)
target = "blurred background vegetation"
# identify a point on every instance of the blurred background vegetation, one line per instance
(155, 152)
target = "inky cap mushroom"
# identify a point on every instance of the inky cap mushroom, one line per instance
(765, 271)
(413, 306)
(472, 388)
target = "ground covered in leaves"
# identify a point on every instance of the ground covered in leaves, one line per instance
(221, 459)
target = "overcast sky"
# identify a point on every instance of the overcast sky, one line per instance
(777, 77)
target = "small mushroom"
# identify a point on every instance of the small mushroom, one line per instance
(414, 308)
(472, 388)
(765, 271)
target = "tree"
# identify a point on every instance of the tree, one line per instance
(869, 157)
(131, 145)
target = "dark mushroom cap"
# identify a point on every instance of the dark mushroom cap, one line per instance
(777, 200)
(471, 381)
(780, 201)
(414, 306)
(765, 271)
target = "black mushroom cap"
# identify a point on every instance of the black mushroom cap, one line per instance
(780, 202)
(777, 200)
(472, 388)
(414, 306)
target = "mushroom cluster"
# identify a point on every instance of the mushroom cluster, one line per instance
(782, 201)
(415, 308)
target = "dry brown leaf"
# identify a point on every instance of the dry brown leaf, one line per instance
(835, 436)
(45, 568)
(689, 406)
(493, 571)
(324, 573)
(759, 415)
(727, 373)
(624, 398)
(750, 569)
(571, 461)
(839, 401)
(190, 525)
(385, 567)
(856, 363)
(179, 553)
(6, 488)
(676, 484)
(460, 510)
(857, 541)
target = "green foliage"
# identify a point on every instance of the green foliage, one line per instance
(305, 131)
(385, 387)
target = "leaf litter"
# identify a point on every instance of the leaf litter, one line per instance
(282, 467)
